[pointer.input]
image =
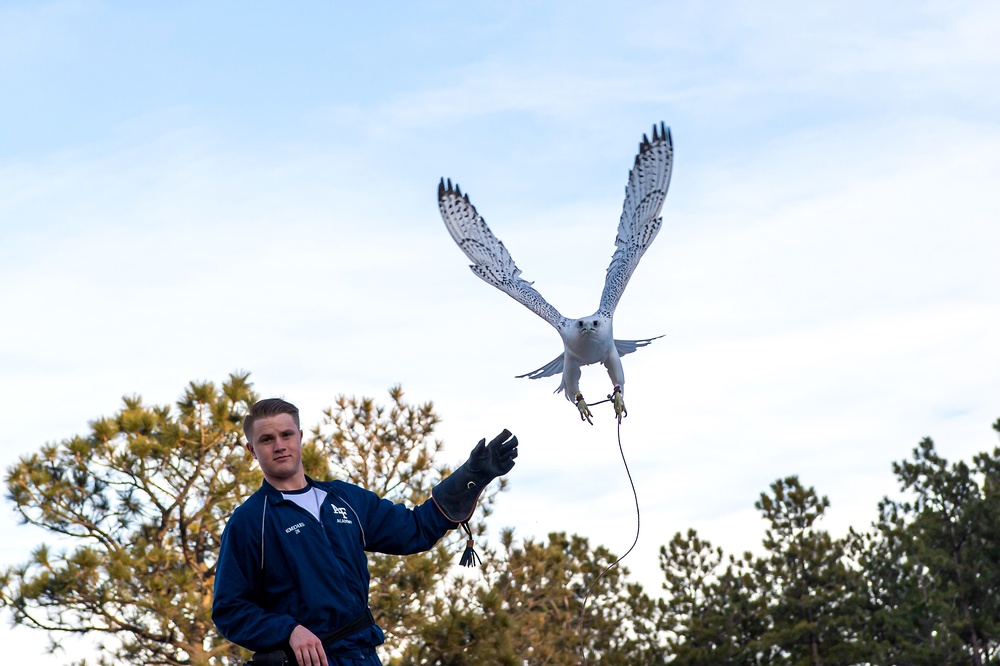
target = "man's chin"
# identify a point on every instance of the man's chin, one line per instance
(284, 470)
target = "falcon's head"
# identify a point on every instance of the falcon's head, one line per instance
(593, 326)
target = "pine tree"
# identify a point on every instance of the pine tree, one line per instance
(530, 609)
(812, 595)
(933, 563)
(713, 615)
(144, 496)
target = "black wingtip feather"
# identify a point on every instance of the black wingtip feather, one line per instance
(661, 133)
(446, 187)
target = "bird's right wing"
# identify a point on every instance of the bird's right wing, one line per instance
(490, 259)
(640, 221)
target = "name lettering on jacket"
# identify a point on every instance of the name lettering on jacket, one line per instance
(295, 528)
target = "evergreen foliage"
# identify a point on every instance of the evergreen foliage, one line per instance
(933, 564)
(143, 497)
(922, 587)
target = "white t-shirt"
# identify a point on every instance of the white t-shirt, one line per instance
(309, 498)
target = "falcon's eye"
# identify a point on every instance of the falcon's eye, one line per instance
(580, 324)
(596, 323)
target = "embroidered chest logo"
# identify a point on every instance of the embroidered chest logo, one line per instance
(297, 527)
(341, 514)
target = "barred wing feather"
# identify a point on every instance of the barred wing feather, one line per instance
(491, 261)
(640, 221)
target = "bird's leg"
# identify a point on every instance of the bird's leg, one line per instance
(614, 365)
(581, 404)
(618, 399)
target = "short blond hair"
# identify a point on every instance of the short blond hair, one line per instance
(265, 408)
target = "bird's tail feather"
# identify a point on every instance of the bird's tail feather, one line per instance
(553, 367)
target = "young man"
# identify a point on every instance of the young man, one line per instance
(292, 572)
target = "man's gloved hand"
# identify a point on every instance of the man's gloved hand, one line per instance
(495, 458)
(457, 495)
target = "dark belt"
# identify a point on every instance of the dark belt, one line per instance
(285, 657)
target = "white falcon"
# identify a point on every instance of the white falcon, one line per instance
(588, 339)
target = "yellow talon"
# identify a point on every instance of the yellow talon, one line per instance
(581, 404)
(619, 402)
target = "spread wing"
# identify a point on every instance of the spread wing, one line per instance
(647, 188)
(490, 259)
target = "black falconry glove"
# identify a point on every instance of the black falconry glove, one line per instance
(457, 495)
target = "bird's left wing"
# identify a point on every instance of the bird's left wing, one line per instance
(490, 258)
(644, 195)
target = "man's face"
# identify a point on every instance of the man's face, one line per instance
(277, 446)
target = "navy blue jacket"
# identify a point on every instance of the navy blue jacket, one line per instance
(279, 567)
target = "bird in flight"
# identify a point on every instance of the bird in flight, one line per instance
(588, 339)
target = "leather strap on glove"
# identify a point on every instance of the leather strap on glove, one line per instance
(457, 495)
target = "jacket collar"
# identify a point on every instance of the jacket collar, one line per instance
(274, 495)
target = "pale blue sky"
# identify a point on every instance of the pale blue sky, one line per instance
(192, 189)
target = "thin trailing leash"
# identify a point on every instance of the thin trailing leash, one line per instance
(635, 496)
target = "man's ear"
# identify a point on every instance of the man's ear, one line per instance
(250, 449)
